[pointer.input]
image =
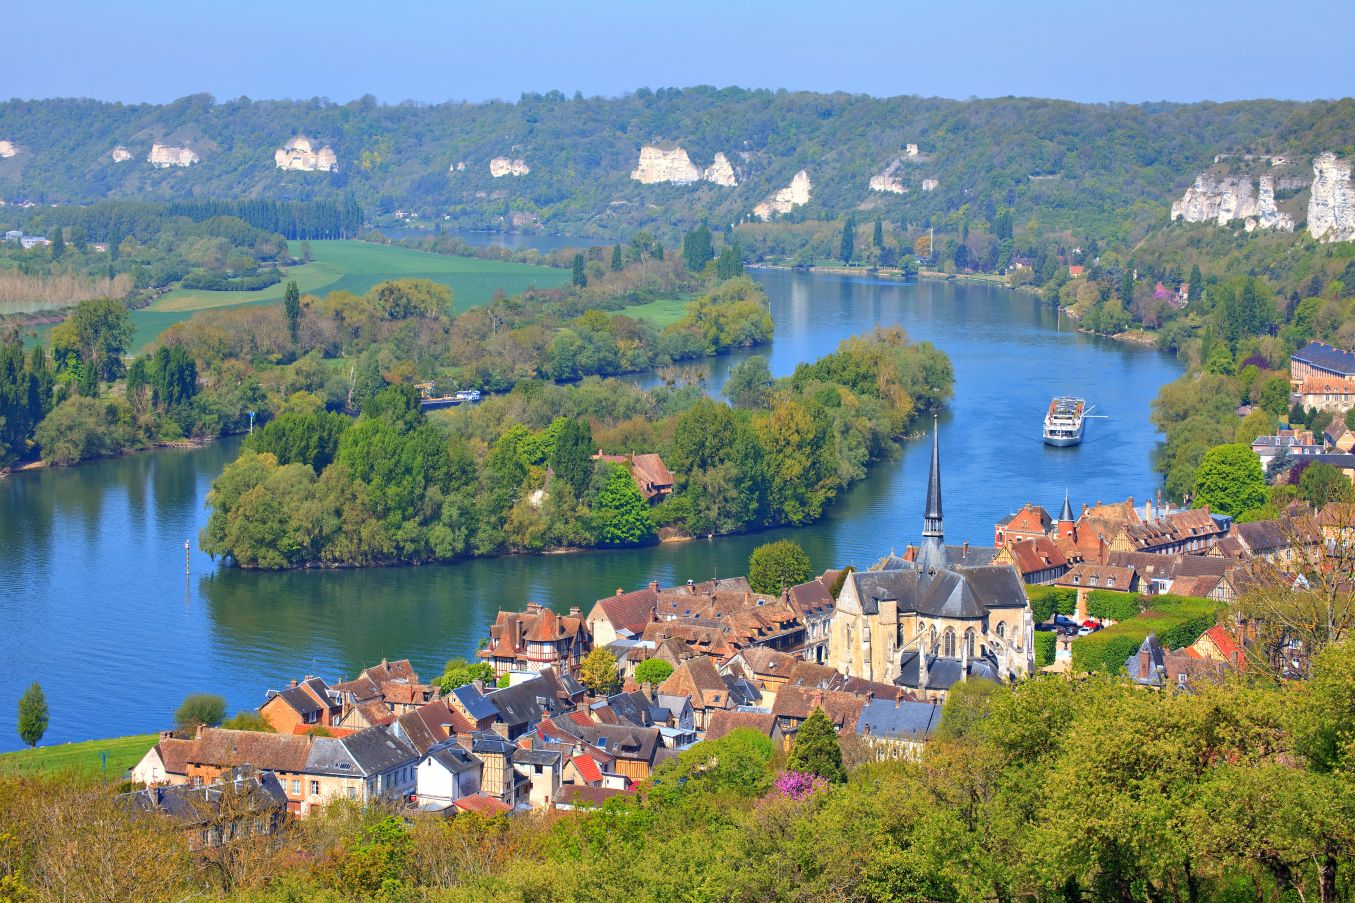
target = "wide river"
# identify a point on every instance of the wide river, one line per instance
(95, 602)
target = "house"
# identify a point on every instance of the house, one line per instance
(1294, 442)
(306, 704)
(1189, 530)
(534, 639)
(521, 706)
(681, 715)
(1100, 576)
(622, 615)
(1174, 573)
(1218, 645)
(765, 667)
(499, 780)
(635, 751)
(1038, 559)
(813, 602)
(542, 769)
(634, 708)
(699, 680)
(446, 773)
(164, 763)
(651, 475)
(1317, 359)
(764, 723)
(794, 705)
(1030, 522)
(897, 729)
(245, 802)
(1159, 668)
(1339, 437)
(1278, 540)
(1076, 270)
(1325, 393)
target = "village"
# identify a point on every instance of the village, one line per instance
(565, 711)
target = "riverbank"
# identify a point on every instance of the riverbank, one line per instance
(108, 758)
(988, 279)
(157, 445)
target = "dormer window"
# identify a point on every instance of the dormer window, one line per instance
(1110, 581)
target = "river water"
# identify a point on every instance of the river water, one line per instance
(95, 602)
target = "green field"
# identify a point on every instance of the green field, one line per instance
(659, 313)
(123, 753)
(354, 266)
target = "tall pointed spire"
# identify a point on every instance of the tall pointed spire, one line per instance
(932, 555)
(1066, 515)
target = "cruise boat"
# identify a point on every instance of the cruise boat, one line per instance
(1063, 424)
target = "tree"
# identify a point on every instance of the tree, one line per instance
(776, 566)
(622, 514)
(102, 328)
(1229, 480)
(598, 672)
(847, 249)
(1274, 396)
(459, 672)
(617, 262)
(572, 456)
(291, 305)
(1196, 284)
(750, 384)
(32, 715)
(1322, 484)
(58, 244)
(580, 278)
(199, 709)
(697, 248)
(1127, 286)
(1258, 423)
(653, 671)
(816, 750)
(248, 720)
(878, 236)
(729, 265)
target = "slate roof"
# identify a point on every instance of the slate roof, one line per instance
(742, 691)
(1326, 357)
(186, 803)
(545, 758)
(622, 741)
(379, 749)
(477, 704)
(300, 701)
(454, 758)
(944, 673)
(903, 720)
(525, 703)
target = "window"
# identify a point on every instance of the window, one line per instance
(1110, 582)
(1001, 630)
(315, 788)
(352, 793)
(948, 643)
(296, 788)
(969, 642)
(1077, 578)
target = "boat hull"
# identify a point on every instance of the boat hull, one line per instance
(1062, 441)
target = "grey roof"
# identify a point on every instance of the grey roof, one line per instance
(621, 740)
(903, 720)
(633, 707)
(967, 556)
(329, 755)
(300, 701)
(525, 703)
(944, 673)
(1066, 513)
(1326, 357)
(741, 690)
(932, 554)
(488, 742)
(1157, 662)
(475, 702)
(674, 704)
(898, 584)
(190, 804)
(454, 758)
(537, 757)
(379, 749)
(948, 595)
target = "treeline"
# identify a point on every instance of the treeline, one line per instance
(517, 473)
(109, 221)
(1049, 790)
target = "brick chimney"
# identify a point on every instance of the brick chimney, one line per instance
(654, 585)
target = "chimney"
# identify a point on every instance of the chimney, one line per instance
(654, 585)
(291, 684)
(574, 611)
(618, 591)
(964, 548)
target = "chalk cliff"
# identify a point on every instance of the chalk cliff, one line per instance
(658, 165)
(458, 166)
(506, 166)
(7, 149)
(1223, 199)
(887, 179)
(1331, 207)
(163, 156)
(721, 172)
(787, 199)
(300, 155)
(930, 184)
(120, 154)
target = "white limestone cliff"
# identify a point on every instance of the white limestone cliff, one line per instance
(930, 184)
(163, 156)
(120, 154)
(787, 199)
(887, 179)
(1331, 207)
(7, 149)
(506, 166)
(458, 166)
(300, 155)
(721, 172)
(658, 165)
(1223, 199)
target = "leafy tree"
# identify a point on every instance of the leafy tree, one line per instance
(1322, 484)
(248, 721)
(878, 236)
(1196, 289)
(750, 384)
(847, 248)
(291, 305)
(1274, 396)
(697, 248)
(622, 515)
(776, 566)
(816, 749)
(199, 709)
(572, 456)
(33, 716)
(101, 330)
(459, 672)
(58, 244)
(580, 279)
(729, 265)
(653, 671)
(617, 262)
(1258, 423)
(598, 672)
(1229, 480)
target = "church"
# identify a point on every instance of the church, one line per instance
(935, 617)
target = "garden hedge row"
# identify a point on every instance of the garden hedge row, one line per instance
(1046, 601)
(1178, 621)
(1107, 603)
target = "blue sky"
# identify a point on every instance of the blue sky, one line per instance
(436, 51)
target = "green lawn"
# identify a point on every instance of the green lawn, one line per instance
(660, 313)
(123, 753)
(355, 266)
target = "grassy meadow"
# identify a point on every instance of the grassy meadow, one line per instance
(123, 753)
(660, 313)
(354, 266)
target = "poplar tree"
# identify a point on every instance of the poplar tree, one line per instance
(32, 715)
(816, 750)
(580, 279)
(879, 236)
(848, 249)
(58, 244)
(1196, 285)
(616, 259)
(291, 303)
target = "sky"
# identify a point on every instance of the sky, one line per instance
(1103, 50)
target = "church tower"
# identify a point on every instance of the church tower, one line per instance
(1067, 526)
(932, 555)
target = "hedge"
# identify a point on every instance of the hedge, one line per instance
(1107, 603)
(1046, 645)
(1045, 601)
(1178, 621)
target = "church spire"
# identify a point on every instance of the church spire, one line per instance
(933, 551)
(1066, 515)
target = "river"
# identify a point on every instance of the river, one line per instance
(95, 602)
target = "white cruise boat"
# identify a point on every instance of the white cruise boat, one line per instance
(1063, 424)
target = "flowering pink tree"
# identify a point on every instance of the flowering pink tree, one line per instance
(798, 785)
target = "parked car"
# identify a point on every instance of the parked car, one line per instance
(1065, 622)
(1086, 631)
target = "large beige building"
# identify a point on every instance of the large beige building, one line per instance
(929, 623)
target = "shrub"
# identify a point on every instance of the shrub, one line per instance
(1046, 645)
(1046, 601)
(1107, 603)
(1178, 621)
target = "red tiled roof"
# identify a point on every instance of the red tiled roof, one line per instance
(581, 795)
(338, 732)
(174, 755)
(483, 805)
(722, 722)
(632, 611)
(224, 748)
(587, 768)
(1224, 642)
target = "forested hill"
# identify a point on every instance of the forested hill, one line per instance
(1099, 170)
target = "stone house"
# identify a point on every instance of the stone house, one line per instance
(1319, 360)
(164, 763)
